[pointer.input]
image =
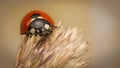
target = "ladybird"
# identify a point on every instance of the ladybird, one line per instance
(37, 23)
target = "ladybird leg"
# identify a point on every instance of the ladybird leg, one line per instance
(28, 33)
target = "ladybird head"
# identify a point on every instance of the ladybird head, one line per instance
(39, 26)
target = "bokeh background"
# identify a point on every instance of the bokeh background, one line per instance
(99, 20)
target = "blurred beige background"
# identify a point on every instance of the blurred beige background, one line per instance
(99, 21)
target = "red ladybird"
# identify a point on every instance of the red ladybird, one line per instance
(38, 23)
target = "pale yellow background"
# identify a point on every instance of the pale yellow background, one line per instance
(99, 21)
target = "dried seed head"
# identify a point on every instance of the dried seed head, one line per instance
(63, 49)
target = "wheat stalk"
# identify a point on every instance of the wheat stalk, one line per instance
(64, 49)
